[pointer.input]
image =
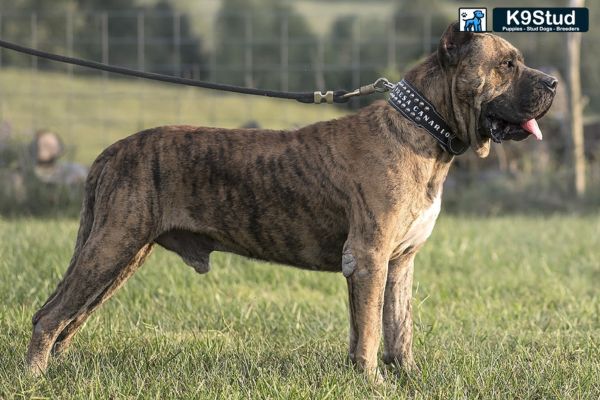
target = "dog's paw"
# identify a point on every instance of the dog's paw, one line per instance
(404, 365)
(36, 367)
(377, 377)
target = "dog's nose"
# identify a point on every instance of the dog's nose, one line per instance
(550, 82)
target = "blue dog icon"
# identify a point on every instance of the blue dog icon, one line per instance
(473, 24)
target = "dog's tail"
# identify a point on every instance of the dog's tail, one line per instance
(86, 217)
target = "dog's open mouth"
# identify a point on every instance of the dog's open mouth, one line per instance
(499, 129)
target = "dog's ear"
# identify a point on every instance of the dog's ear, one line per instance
(451, 43)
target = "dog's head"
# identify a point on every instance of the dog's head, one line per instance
(478, 14)
(495, 96)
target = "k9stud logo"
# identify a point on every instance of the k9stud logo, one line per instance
(541, 19)
(473, 19)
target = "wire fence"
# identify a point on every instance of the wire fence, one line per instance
(351, 51)
(107, 39)
(319, 65)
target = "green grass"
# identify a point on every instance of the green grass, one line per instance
(90, 113)
(504, 308)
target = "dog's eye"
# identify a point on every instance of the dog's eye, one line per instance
(508, 63)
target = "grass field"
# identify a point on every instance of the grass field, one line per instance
(504, 308)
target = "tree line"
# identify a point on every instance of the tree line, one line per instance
(262, 43)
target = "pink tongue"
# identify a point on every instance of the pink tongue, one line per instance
(532, 127)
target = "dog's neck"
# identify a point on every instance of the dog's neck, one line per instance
(431, 81)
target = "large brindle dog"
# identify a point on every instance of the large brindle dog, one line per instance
(359, 194)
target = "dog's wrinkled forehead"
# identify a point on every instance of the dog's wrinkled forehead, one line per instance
(483, 67)
(492, 49)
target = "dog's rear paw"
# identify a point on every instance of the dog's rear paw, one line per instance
(36, 367)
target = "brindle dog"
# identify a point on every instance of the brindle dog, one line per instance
(359, 194)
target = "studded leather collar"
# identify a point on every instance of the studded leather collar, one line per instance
(415, 107)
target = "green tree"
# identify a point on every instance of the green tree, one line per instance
(159, 52)
(87, 19)
(257, 38)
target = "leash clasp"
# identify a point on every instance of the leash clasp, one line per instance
(320, 97)
(380, 85)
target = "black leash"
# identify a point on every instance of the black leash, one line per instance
(317, 97)
(404, 98)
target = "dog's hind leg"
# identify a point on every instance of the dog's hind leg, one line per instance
(85, 224)
(107, 259)
(64, 338)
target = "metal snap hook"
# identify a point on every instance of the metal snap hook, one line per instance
(383, 85)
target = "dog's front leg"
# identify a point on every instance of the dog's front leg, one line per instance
(397, 313)
(365, 270)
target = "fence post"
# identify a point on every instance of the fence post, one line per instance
(176, 16)
(426, 34)
(248, 50)
(320, 65)
(105, 47)
(69, 38)
(212, 67)
(34, 39)
(34, 70)
(575, 106)
(392, 44)
(141, 65)
(1, 50)
(356, 53)
(177, 41)
(284, 42)
(249, 61)
(2, 105)
(105, 60)
(212, 73)
(140, 41)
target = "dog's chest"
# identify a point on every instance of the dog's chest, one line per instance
(420, 229)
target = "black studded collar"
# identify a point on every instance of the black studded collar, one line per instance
(414, 106)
